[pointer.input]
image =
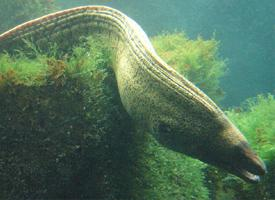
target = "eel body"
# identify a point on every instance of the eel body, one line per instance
(159, 99)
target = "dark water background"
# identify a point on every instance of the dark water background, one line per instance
(245, 29)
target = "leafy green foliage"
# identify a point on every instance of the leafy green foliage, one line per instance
(22, 71)
(65, 135)
(16, 12)
(255, 118)
(163, 174)
(54, 133)
(197, 60)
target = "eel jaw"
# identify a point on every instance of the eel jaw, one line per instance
(244, 172)
(249, 166)
(245, 164)
(247, 176)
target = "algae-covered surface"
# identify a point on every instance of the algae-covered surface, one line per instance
(64, 134)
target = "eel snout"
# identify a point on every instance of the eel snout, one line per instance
(248, 165)
(231, 152)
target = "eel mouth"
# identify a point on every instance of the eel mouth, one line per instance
(247, 165)
(248, 176)
(250, 168)
(242, 162)
(248, 171)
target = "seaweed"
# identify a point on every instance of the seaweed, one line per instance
(198, 60)
(256, 120)
(65, 135)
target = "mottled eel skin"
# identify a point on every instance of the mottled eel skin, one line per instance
(157, 98)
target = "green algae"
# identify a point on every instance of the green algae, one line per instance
(198, 60)
(255, 118)
(51, 130)
(64, 134)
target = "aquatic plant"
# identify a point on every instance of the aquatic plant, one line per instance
(47, 138)
(255, 118)
(64, 134)
(16, 12)
(164, 174)
(198, 60)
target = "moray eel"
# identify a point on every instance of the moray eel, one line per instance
(158, 99)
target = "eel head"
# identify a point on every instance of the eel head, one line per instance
(214, 141)
(233, 154)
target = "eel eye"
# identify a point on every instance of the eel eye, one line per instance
(164, 128)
